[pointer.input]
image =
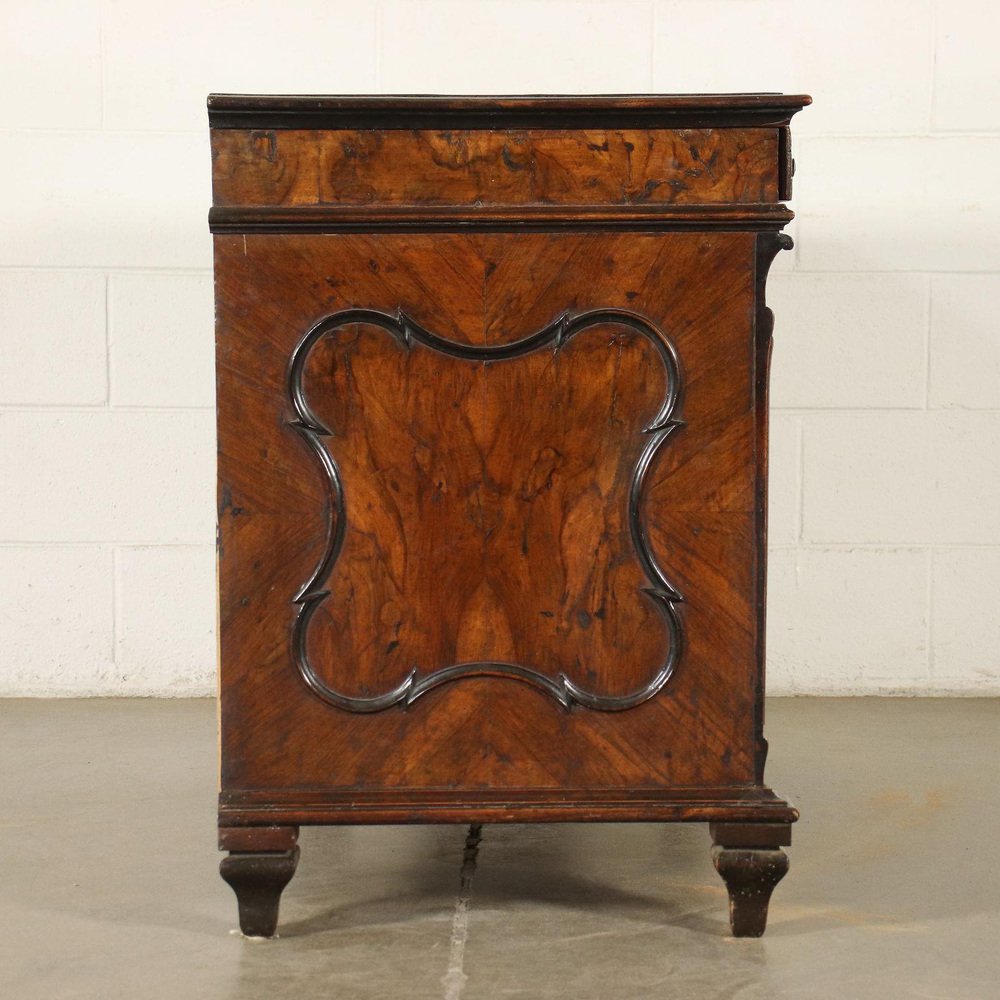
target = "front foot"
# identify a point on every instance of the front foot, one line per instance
(258, 874)
(750, 860)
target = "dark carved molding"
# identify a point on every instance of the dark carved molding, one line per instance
(786, 164)
(240, 111)
(520, 218)
(767, 247)
(406, 332)
(730, 807)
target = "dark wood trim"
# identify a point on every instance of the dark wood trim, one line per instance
(741, 794)
(239, 111)
(258, 839)
(767, 248)
(337, 219)
(311, 594)
(742, 804)
(786, 164)
(477, 812)
(766, 835)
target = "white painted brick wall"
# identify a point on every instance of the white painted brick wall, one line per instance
(841, 360)
(848, 617)
(885, 518)
(58, 619)
(158, 353)
(161, 645)
(101, 475)
(53, 322)
(784, 478)
(965, 351)
(515, 46)
(159, 68)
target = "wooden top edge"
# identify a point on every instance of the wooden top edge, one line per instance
(427, 110)
(441, 102)
(749, 211)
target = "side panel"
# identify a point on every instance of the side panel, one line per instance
(486, 511)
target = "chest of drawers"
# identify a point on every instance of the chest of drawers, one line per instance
(492, 397)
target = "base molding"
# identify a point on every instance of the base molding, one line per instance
(754, 804)
(749, 826)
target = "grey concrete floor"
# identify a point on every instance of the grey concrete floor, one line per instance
(109, 884)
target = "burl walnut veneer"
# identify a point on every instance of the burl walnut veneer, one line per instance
(492, 390)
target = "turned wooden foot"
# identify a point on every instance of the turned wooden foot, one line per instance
(258, 874)
(750, 860)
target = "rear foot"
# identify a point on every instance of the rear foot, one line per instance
(751, 867)
(258, 878)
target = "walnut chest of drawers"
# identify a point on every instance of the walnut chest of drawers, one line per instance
(492, 398)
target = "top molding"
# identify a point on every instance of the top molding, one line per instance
(244, 111)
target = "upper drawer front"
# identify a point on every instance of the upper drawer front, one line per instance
(396, 168)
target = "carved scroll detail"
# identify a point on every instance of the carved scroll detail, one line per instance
(312, 430)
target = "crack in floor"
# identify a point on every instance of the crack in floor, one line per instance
(455, 978)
